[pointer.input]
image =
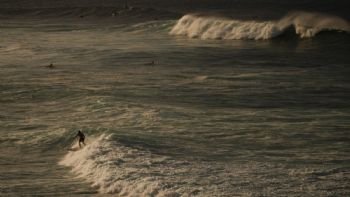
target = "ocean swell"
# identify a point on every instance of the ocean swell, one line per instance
(306, 25)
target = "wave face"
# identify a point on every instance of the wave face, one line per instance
(306, 25)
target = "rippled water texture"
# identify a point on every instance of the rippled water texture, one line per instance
(168, 115)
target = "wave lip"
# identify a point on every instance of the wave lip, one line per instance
(305, 24)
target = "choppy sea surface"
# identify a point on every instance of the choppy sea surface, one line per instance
(201, 106)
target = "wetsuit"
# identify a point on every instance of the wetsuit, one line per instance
(81, 137)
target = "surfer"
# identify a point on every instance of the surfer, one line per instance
(81, 138)
(152, 63)
(51, 66)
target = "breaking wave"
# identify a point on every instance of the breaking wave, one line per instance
(114, 168)
(305, 24)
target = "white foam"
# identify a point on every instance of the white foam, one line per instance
(201, 78)
(114, 168)
(305, 24)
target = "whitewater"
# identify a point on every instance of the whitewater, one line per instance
(305, 25)
(198, 105)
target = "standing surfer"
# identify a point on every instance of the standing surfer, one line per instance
(81, 138)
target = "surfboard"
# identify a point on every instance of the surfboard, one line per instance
(74, 149)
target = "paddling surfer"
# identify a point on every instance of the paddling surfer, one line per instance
(81, 138)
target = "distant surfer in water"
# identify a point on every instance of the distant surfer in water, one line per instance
(51, 66)
(152, 63)
(81, 138)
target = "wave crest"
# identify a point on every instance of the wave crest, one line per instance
(305, 24)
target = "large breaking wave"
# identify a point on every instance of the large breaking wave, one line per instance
(127, 171)
(305, 25)
(115, 168)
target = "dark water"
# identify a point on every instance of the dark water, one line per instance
(227, 117)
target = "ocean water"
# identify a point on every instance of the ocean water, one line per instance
(227, 108)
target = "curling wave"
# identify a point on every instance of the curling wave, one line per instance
(306, 25)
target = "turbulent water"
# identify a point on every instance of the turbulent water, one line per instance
(305, 24)
(200, 106)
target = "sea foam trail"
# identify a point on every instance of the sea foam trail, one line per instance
(305, 24)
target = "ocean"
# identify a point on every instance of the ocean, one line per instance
(174, 104)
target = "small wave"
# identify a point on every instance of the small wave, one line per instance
(305, 24)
